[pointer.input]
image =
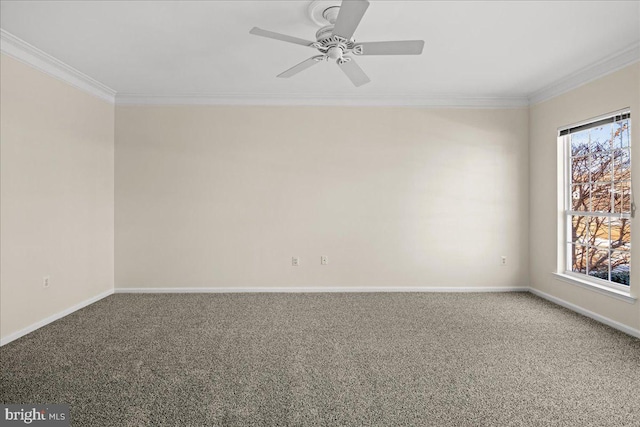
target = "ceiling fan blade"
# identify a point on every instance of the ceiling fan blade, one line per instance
(354, 72)
(285, 38)
(301, 66)
(404, 47)
(350, 15)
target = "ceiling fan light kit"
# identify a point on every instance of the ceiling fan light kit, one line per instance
(335, 39)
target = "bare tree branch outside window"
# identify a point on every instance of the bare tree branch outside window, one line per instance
(600, 202)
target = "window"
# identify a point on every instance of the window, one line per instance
(598, 200)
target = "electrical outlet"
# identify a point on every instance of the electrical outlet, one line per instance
(295, 261)
(45, 282)
(324, 260)
(503, 260)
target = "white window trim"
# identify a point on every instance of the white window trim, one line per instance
(605, 289)
(601, 286)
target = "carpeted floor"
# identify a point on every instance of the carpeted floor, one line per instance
(383, 359)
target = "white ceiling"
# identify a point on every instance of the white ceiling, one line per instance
(473, 49)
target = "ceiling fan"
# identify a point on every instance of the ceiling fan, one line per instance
(334, 41)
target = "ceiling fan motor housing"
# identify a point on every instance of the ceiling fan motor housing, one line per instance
(338, 20)
(335, 47)
(330, 45)
(324, 32)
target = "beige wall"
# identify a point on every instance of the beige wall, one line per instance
(57, 196)
(225, 196)
(610, 93)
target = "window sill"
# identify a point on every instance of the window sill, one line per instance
(601, 289)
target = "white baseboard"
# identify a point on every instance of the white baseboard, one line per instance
(316, 289)
(595, 316)
(614, 324)
(14, 336)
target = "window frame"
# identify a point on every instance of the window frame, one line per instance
(566, 214)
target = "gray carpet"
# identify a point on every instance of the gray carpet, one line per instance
(384, 359)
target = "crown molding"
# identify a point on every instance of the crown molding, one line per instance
(324, 100)
(36, 58)
(594, 71)
(24, 52)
